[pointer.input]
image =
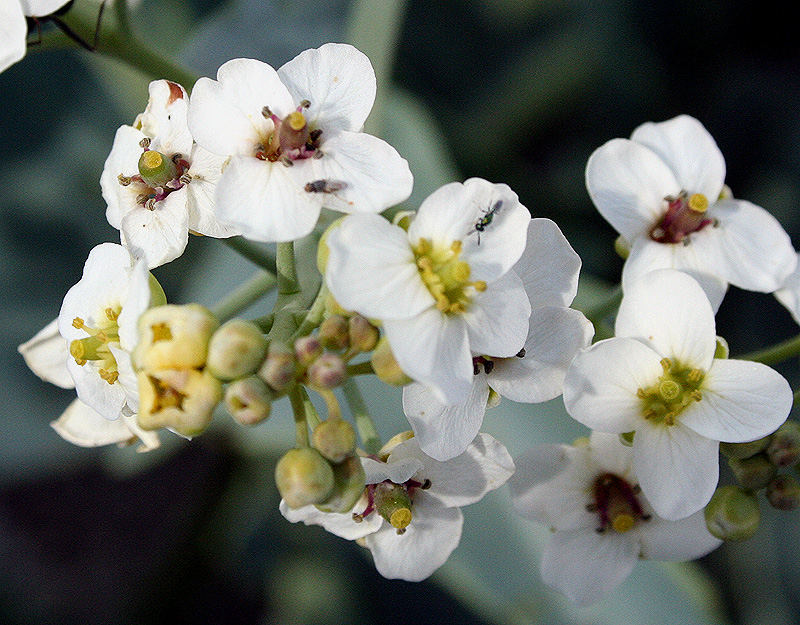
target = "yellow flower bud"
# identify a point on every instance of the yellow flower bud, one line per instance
(363, 335)
(386, 367)
(181, 400)
(304, 477)
(732, 513)
(335, 439)
(236, 349)
(348, 486)
(248, 400)
(174, 337)
(333, 333)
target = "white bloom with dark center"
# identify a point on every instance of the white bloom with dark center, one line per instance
(659, 379)
(294, 142)
(409, 517)
(664, 191)
(601, 522)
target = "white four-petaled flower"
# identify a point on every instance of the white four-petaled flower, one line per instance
(664, 191)
(602, 524)
(294, 142)
(659, 378)
(423, 534)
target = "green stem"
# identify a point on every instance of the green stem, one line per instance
(265, 323)
(248, 293)
(775, 354)
(796, 399)
(253, 252)
(311, 410)
(364, 424)
(287, 270)
(300, 416)
(360, 368)
(315, 314)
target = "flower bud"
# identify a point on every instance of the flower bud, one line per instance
(783, 493)
(393, 503)
(363, 335)
(754, 472)
(248, 400)
(740, 451)
(494, 399)
(333, 333)
(732, 513)
(236, 349)
(622, 247)
(403, 219)
(348, 486)
(181, 400)
(722, 351)
(386, 367)
(279, 369)
(307, 349)
(327, 371)
(174, 337)
(304, 477)
(335, 439)
(784, 447)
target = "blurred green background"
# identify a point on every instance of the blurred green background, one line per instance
(514, 91)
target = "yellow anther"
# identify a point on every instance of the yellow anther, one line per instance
(666, 364)
(111, 314)
(698, 203)
(696, 395)
(695, 375)
(152, 159)
(400, 518)
(640, 393)
(108, 376)
(456, 246)
(296, 120)
(77, 323)
(479, 285)
(669, 418)
(623, 523)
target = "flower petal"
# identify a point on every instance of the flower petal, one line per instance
(123, 160)
(497, 320)
(13, 32)
(677, 469)
(675, 541)
(82, 426)
(398, 472)
(789, 294)
(106, 399)
(46, 354)
(341, 525)
(205, 171)
(159, 235)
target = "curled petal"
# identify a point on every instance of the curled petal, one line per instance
(46, 354)
(341, 525)
(82, 426)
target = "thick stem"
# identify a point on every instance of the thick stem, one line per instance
(287, 270)
(253, 252)
(370, 440)
(247, 294)
(315, 314)
(776, 353)
(360, 368)
(300, 416)
(311, 410)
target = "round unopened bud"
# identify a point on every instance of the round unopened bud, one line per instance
(333, 333)
(386, 367)
(181, 400)
(403, 219)
(783, 493)
(348, 486)
(733, 513)
(279, 369)
(307, 349)
(327, 371)
(722, 351)
(304, 477)
(237, 349)
(740, 451)
(363, 335)
(626, 438)
(174, 337)
(622, 247)
(393, 503)
(248, 400)
(784, 446)
(335, 439)
(754, 472)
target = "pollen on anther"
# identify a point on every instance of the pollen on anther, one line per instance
(696, 395)
(77, 323)
(666, 364)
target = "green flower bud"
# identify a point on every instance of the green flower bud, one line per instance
(363, 335)
(626, 438)
(732, 513)
(279, 369)
(322, 247)
(181, 400)
(335, 439)
(386, 367)
(348, 486)
(740, 451)
(403, 219)
(784, 447)
(783, 493)
(304, 477)
(333, 333)
(174, 337)
(494, 399)
(622, 247)
(754, 472)
(248, 400)
(327, 371)
(307, 349)
(394, 504)
(722, 350)
(237, 349)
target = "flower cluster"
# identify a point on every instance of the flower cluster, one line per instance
(462, 302)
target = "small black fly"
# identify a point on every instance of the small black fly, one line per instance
(325, 186)
(486, 219)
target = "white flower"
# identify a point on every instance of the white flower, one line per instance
(663, 191)
(422, 498)
(98, 319)
(789, 293)
(659, 379)
(47, 354)
(441, 294)
(158, 183)
(549, 272)
(602, 524)
(294, 142)
(14, 29)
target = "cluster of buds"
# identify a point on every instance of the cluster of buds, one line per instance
(733, 512)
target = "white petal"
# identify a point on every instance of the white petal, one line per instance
(601, 383)
(341, 525)
(82, 426)
(40, 8)
(159, 235)
(429, 540)
(555, 335)
(433, 348)
(165, 118)
(137, 300)
(742, 401)
(789, 294)
(122, 160)
(497, 320)
(264, 201)
(689, 150)
(338, 81)
(205, 172)
(611, 455)
(549, 267)
(371, 269)
(46, 354)
(668, 310)
(677, 469)
(126, 377)
(444, 431)
(585, 565)
(13, 31)
(628, 183)
(148, 440)
(106, 399)
(675, 541)
(399, 471)
(695, 259)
